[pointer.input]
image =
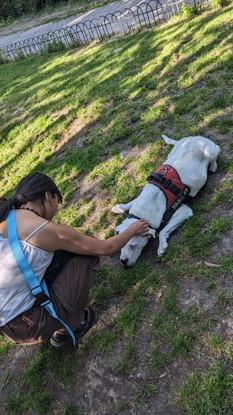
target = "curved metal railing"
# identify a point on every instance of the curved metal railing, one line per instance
(120, 22)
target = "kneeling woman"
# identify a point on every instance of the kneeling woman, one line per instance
(47, 269)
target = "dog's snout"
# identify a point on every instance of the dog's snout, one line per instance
(124, 261)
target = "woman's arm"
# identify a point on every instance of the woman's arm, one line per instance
(64, 237)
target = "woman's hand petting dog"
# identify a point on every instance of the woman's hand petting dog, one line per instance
(139, 227)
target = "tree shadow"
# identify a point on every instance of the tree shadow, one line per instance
(63, 81)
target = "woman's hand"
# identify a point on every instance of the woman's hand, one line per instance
(138, 227)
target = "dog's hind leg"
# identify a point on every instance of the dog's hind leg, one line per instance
(122, 207)
(183, 213)
(213, 166)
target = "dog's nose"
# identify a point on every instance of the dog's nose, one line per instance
(124, 261)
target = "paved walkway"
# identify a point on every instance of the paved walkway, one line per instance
(45, 28)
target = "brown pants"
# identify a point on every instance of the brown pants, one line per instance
(69, 291)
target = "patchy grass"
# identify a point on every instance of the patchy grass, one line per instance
(92, 119)
(174, 334)
(5, 346)
(127, 361)
(71, 409)
(199, 235)
(145, 392)
(227, 264)
(211, 392)
(44, 365)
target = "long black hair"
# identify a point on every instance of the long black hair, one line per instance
(30, 188)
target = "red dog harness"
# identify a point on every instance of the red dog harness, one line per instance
(168, 180)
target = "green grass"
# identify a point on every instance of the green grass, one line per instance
(223, 297)
(45, 365)
(92, 119)
(127, 361)
(211, 393)
(227, 264)
(102, 342)
(5, 346)
(128, 321)
(71, 409)
(144, 393)
(174, 336)
(215, 341)
(198, 235)
(169, 299)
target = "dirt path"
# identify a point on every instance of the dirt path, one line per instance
(42, 17)
(31, 27)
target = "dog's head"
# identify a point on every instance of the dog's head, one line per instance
(133, 249)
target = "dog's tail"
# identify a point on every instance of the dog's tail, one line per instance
(169, 140)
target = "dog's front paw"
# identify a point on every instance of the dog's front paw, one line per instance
(162, 248)
(213, 167)
(117, 209)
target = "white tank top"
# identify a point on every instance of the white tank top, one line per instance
(15, 295)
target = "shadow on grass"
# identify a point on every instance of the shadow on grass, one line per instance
(79, 83)
(116, 91)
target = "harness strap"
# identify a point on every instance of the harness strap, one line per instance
(171, 210)
(38, 290)
(164, 182)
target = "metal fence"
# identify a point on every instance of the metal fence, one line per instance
(145, 15)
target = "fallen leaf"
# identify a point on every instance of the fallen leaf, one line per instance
(210, 264)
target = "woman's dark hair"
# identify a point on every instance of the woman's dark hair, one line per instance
(31, 187)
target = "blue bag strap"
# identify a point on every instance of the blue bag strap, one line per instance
(35, 286)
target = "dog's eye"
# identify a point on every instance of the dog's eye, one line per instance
(133, 246)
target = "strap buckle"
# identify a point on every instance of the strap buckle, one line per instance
(40, 295)
(42, 299)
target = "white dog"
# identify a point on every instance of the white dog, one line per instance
(189, 160)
